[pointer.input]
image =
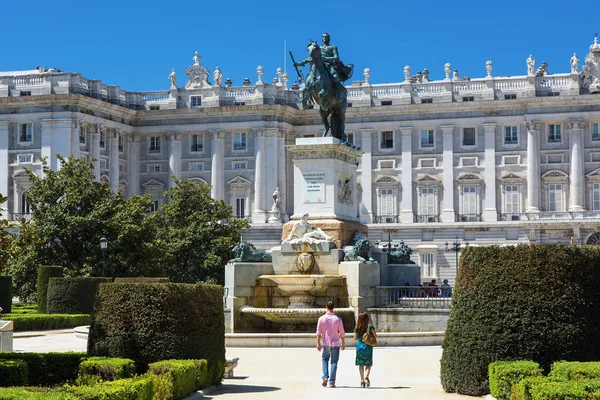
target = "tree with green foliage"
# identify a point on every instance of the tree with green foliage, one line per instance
(195, 233)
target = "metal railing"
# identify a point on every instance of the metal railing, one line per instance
(386, 219)
(468, 217)
(428, 218)
(425, 297)
(549, 215)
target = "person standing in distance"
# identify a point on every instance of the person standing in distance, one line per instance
(330, 329)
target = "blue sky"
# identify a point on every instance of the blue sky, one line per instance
(135, 44)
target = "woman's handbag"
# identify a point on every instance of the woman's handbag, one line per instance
(369, 338)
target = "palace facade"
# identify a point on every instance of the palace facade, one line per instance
(492, 160)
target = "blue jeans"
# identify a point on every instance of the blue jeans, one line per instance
(328, 352)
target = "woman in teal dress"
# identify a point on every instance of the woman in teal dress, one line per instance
(364, 352)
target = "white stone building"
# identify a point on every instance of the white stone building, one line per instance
(493, 160)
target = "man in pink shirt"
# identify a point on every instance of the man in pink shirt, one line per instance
(330, 329)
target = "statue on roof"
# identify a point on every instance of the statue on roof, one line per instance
(574, 64)
(530, 65)
(173, 78)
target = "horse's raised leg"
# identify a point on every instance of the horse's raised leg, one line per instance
(324, 114)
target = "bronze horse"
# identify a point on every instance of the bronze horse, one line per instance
(331, 96)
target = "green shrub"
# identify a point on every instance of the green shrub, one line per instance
(24, 309)
(45, 272)
(73, 295)
(147, 279)
(48, 369)
(34, 394)
(13, 373)
(574, 370)
(154, 322)
(6, 293)
(522, 389)
(504, 374)
(548, 390)
(137, 388)
(40, 322)
(526, 302)
(173, 379)
(104, 368)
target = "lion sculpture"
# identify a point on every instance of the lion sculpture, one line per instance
(246, 252)
(400, 255)
(360, 251)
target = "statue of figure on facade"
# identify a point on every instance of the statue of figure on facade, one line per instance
(196, 59)
(324, 85)
(276, 200)
(574, 64)
(218, 76)
(530, 65)
(400, 255)
(173, 78)
(303, 232)
(542, 70)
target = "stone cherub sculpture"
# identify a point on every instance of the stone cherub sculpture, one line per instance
(303, 232)
(360, 251)
(246, 252)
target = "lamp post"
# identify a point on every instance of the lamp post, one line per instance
(103, 248)
(389, 247)
(455, 247)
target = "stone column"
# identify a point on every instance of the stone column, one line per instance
(366, 208)
(448, 177)
(133, 165)
(490, 213)
(282, 173)
(407, 215)
(533, 166)
(74, 138)
(271, 162)
(4, 176)
(113, 159)
(174, 157)
(217, 172)
(259, 214)
(576, 173)
(95, 149)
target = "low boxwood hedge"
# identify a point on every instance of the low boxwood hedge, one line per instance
(574, 370)
(528, 302)
(6, 293)
(13, 373)
(153, 322)
(173, 379)
(504, 374)
(34, 394)
(40, 322)
(45, 272)
(522, 389)
(73, 295)
(148, 279)
(137, 388)
(48, 369)
(105, 369)
(586, 389)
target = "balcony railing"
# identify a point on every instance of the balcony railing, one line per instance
(428, 218)
(429, 297)
(386, 219)
(550, 215)
(468, 217)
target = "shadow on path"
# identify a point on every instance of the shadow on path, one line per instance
(225, 388)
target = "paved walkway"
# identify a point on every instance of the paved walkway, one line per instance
(294, 373)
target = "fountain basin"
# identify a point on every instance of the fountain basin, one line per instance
(302, 288)
(294, 316)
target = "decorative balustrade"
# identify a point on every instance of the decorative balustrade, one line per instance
(423, 297)
(24, 81)
(511, 84)
(243, 92)
(468, 87)
(354, 92)
(430, 88)
(155, 97)
(550, 215)
(387, 91)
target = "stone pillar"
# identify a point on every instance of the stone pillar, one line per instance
(407, 215)
(55, 140)
(489, 175)
(133, 166)
(448, 177)
(282, 175)
(113, 159)
(366, 208)
(4, 176)
(217, 172)
(271, 172)
(74, 138)
(174, 157)
(259, 214)
(576, 173)
(533, 167)
(95, 149)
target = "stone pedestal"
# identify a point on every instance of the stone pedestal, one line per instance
(341, 231)
(274, 217)
(6, 336)
(361, 279)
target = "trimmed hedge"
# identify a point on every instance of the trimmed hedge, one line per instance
(73, 295)
(45, 272)
(154, 322)
(533, 302)
(137, 388)
(522, 389)
(6, 293)
(104, 368)
(573, 390)
(40, 322)
(504, 374)
(29, 394)
(573, 370)
(173, 379)
(13, 373)
(48, 369)
(126, 279)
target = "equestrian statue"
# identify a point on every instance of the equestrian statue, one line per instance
(324, 85)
